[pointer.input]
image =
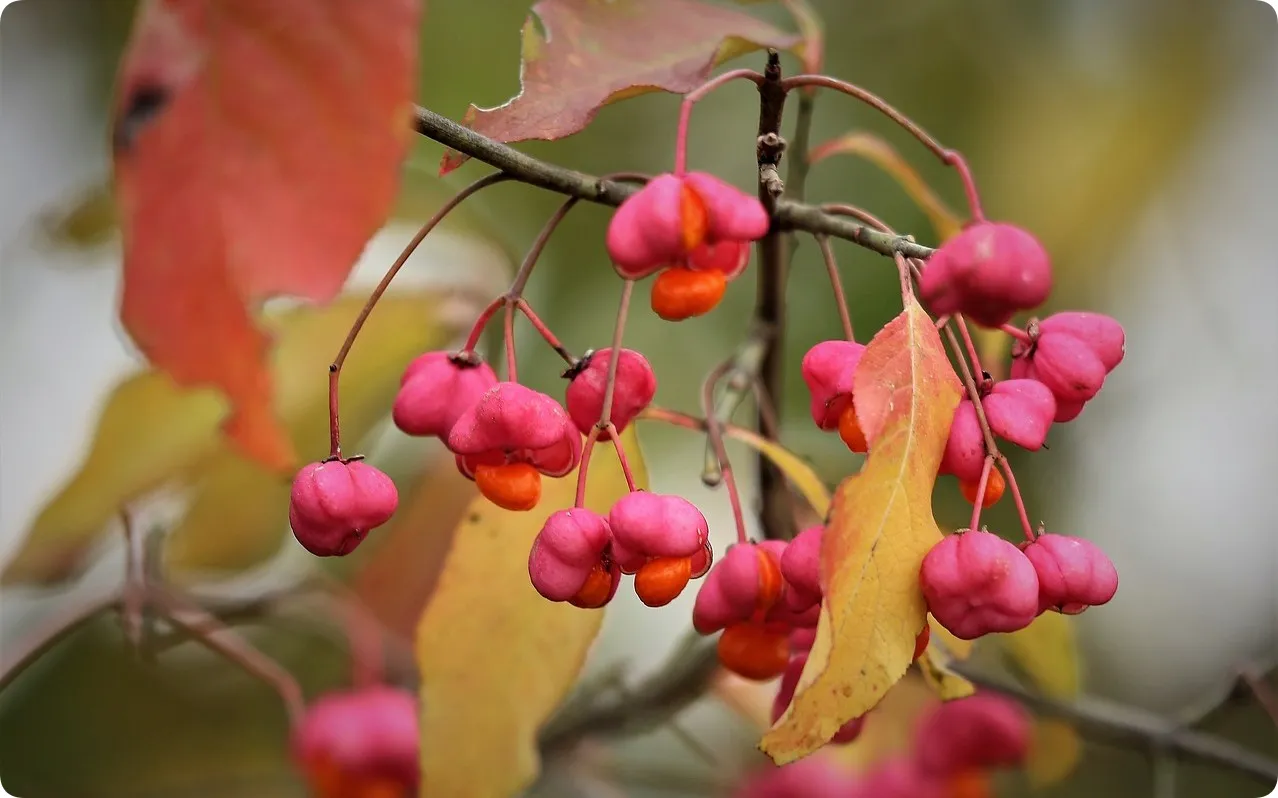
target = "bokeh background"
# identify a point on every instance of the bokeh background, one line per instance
(1135, 137)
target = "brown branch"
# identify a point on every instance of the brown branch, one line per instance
(1134, 728)
(789, 215)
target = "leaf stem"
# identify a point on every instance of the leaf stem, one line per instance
(690, 99)
(836, 284)
(335, 368)
(949, 157)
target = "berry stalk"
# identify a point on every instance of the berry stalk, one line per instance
(715, 434)
(947, 156)
(605, 415)
(981, 485)
(840, 298)
(335, 368)
(691, 98)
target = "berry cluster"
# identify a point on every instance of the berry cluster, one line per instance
(361, 743)
(954, 749)
(692, 232)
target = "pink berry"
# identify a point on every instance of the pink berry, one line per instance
(334, 504)
(654, 525)
(671, 216)
(981, 731)
(785, 694)
(435, 390)
(900, 777)
(568, 560)
(349, 742)
(988, 272)
(811, 777)
(801, 567)
(827, 369)
(729, 257)
(514, 424)
(801, 639)
(1020, 411)
(744, 584)
(1103, 334)
(964, 455)
(1073, 573)
(976, 583)
(635, 387)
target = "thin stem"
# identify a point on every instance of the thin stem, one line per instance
(523, 307)
(970, 346)
(947, 156)
(481, 322)
(715, 434)
(1016, 332)
(981, 483)
(508, 337)
(335, 368)
(1017, 498)
(133, 593)
(745, 376)
(587, 449)
(840, 298)
(538, 246)
(615, 436)
(614, 359)
(1261, 690)
(16, 656)
(206, 629)
(690, 99)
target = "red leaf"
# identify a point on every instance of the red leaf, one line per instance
(593, 53)
(257, 147)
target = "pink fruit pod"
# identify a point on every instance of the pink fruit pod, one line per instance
(811, 777)
(349, 742)
(648, 525)
(744, 585)
(827, 369)
(729, 257)
(801, 640)
(568, 558)
(671, 216)
(801, 567)
(1067, 366)
(964, 455)
(731, 214)
(1073, 573)
(333, 505)
(1023, 369)
(785, 694)
(636, 385)
(514, 424)
(982, 731)
(976, 583)
(1020, 411)
(650, 229)
(435, 390)
(1102, 334)
(900, 777)
(988, 272)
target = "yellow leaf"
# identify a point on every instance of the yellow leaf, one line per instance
(880, 528)
(947, 684)
(153, 433)
(495, 657)
(884, 155)
(1045, 654)
(239, 511)
(800, 474)
(149, 432)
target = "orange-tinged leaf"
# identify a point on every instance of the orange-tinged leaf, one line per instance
(587, 54)
(884, 155)
(880, 527)
(495, 657)
(257, 148)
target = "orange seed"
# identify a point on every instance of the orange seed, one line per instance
(512, 486)
(660, 580)
(994, 488)
(692, 215)
(850, 431)
(596, 591)
(680, 293)
(754, 651)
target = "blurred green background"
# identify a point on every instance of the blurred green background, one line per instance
(1077, 118)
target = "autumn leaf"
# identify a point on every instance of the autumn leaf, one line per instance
(495, 657)
(799, 473)
(152, 433)
(880, 527)
(580, 55)
(257, 148)
(934, 665)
